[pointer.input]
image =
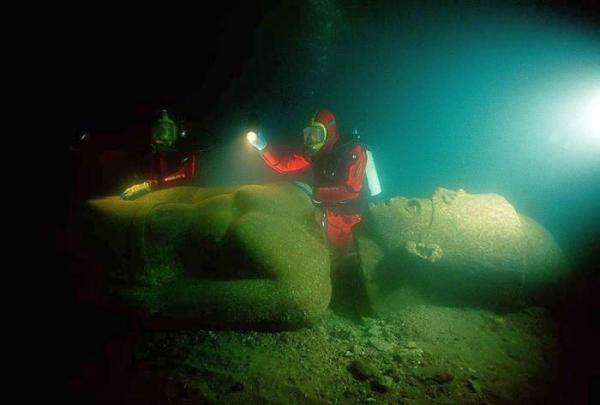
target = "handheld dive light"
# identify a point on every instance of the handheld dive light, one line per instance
(252, 126)
(254, 136)
(251, 137)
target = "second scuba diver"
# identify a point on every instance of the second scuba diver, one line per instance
(173, 164)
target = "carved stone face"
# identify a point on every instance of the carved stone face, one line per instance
(398, 220)
(452, 220)
(457, 243)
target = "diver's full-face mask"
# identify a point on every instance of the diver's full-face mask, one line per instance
(315, 136)
(164, 134)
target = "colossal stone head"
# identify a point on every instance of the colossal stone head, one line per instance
(456, 247)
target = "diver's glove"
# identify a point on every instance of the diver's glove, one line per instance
(136, 191)
(257, 139)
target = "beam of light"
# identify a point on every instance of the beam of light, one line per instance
(590, 116)
(574, 120)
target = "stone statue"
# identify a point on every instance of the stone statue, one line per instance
(458, 248)
(255, 256)
(239, 257)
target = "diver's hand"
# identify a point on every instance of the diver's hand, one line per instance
(257, 139)
(136, 191)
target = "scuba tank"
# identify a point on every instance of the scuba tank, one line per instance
(371, 176)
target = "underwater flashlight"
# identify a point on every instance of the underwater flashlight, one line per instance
(252, 126)
(251, 137)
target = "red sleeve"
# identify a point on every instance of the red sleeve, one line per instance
(285, 163)
(182, 175)
(351, 185)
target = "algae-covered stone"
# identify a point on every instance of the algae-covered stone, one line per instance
(455, 245)
(239, 256)
(255, 255)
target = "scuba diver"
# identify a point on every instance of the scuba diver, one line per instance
(173, 162)
(338, 174)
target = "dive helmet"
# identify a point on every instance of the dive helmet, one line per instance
(321, 131)
(164, 131)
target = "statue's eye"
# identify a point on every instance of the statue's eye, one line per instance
(413, 206)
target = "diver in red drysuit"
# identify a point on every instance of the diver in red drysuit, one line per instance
(171, 166)
(338, 171)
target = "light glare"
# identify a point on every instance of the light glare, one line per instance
(591, 116)
(251, 137)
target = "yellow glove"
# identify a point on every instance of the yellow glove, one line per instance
(136, 191)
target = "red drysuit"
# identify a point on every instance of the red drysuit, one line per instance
(339, 170)
(171, 169)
